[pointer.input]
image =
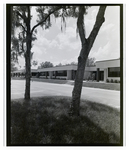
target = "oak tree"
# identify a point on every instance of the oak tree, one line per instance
(21, 19)
(87, 44)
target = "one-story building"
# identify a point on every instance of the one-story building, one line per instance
(111, 69)
(21, 73)
(104, 70)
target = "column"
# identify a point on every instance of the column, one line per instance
(50, 74)
(73, 74)
(69, 74)
(97, 74)
(46, 74)
(55, 74)
(105, 75)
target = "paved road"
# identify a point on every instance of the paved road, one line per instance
(108, 97)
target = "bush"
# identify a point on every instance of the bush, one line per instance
(116, 81)
(111, 80)
(107, 80)
(88, 78)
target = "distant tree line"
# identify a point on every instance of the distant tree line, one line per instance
(89, 63)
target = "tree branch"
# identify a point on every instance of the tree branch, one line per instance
(80, 24)
(22, 26)
(45, 18)
(23, 17)
(99, 21)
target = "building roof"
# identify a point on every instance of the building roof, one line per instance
(99, 64)
(23, 71)
(19, 71)
(108, 60)
(58, 68)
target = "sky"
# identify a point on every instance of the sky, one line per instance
(64, 46)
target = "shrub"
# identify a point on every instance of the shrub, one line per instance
(107, 80)
(111, 80)
(116, 81)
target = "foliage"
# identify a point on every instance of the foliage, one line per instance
(115, 81)
(62, 11)
(72, 63)
(19, 20)
(107, 80)
(13, 68)
(91, 76)
(19, 32)
(59, 65)
(45, 64)
(90, 62)
(34, 63)
(23, 19)
(42, 13)
(111, 80)
(22, 42)
(67, 64)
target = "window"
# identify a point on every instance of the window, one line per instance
(114, 72)
(61, 73)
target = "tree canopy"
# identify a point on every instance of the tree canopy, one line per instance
(13, 68)
(45, 64)
(22, 20)
(21, 43)
(34, 63)
(90, 62)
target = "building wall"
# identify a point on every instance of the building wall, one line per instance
(108, 63)
(114, 78)
(105, 74)
(109, 78)
(71, 70)
(70, 67)
(50, 74)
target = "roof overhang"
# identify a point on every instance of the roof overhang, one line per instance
(108, 63)
(70, 67)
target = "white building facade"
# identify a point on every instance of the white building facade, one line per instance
(103, 71)
(111, 69)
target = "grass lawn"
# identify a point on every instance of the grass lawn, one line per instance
(46, 121)
(101, 85)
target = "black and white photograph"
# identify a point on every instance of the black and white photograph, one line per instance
(64, 74)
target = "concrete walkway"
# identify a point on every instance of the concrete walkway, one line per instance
(38, 89)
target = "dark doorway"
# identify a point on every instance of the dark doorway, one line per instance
(101, 75)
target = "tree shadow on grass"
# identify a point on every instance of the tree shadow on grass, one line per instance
(78, 130)
(47, 123)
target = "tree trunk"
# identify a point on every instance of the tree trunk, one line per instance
(28, 75)
(86, 47)
(76, 94)
(28, 59)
